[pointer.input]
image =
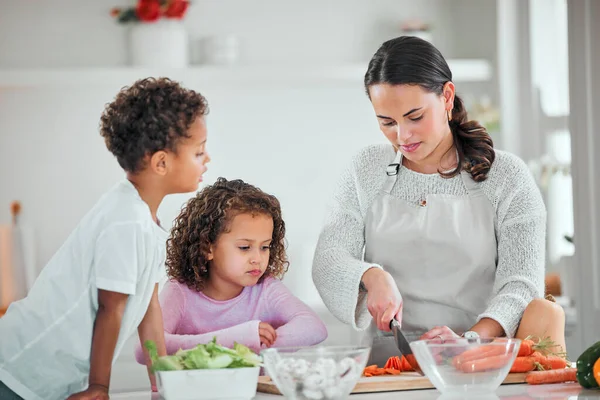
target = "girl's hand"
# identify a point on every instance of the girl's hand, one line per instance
(267, 334)
(93, 392)
(383, 298)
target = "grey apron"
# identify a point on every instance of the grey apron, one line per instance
(442, 253)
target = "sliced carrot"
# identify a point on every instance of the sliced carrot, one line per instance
(406, 365)
(398, 363)
(392, 371)
(394, 362)
(388, 363)
(552, 376)
(486, 364)
(373, 370)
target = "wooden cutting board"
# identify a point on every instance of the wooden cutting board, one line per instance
(389, 383)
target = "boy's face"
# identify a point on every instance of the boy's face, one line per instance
(189, 163)
(241, 256)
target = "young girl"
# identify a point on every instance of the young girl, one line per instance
(225, 258)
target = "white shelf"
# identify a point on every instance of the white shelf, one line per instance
(464, 70)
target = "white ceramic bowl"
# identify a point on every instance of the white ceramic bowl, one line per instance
(199, 384)
(458, 368)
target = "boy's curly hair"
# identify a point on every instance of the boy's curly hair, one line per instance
(209, 214)
(149, 116)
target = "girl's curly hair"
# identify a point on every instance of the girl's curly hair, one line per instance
(209, 214)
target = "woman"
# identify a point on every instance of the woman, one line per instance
(439, 230)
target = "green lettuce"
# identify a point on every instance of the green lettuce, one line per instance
(204, 356)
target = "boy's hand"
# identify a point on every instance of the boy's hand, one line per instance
(267, 334)
(151, 328)
(93, 392)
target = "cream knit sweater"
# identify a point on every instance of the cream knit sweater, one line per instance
(520, 230)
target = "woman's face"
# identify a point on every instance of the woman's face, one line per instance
(414, 120)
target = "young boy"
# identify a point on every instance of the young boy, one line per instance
(62, 339)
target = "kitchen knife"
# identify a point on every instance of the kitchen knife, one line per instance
(404, 346)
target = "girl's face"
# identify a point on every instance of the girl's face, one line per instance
(240, 256)
(414, 120)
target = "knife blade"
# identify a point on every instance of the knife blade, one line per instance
(404, 346)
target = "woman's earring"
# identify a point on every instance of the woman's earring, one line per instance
(203, 270)
(449, 116)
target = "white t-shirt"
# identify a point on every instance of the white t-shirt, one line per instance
(46, 338)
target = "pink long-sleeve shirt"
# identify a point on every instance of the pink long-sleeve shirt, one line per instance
(191, 318)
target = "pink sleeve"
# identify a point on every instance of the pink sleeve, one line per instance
(173, 305)
(299, 325)
(245, 333)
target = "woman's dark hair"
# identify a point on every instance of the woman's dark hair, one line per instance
(149, 116)
(209, 214)
(408, 60)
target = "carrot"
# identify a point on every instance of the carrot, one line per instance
(556, 362)
(552, 376)
(538, 361)
(526, 348)
(388, 363)
(406, 365)
(524, 364)
(374, 370)
(486, 364)
(477, 353)
(393, 362)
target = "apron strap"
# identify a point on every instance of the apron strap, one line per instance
(392, 172)
(472, 186)
(392, 175)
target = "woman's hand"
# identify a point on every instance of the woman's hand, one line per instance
(384, 301)
(441, 333)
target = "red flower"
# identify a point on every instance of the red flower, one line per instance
(176, 9)
(148, 10)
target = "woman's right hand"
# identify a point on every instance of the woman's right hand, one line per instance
(383, 297)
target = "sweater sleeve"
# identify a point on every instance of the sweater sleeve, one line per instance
(338, 265)
(298, 324)
(521, 232)
(245, 333)
(173, 305)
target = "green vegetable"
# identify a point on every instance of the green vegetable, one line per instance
(585, 366)
(165, 363)
(204, 356)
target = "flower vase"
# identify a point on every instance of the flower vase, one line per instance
(163, 43)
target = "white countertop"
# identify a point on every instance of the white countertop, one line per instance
(570, 391)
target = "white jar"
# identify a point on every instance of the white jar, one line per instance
(221, 50)
(163, 43)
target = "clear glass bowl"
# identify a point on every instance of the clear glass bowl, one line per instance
(315, 373)
(466, 366)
